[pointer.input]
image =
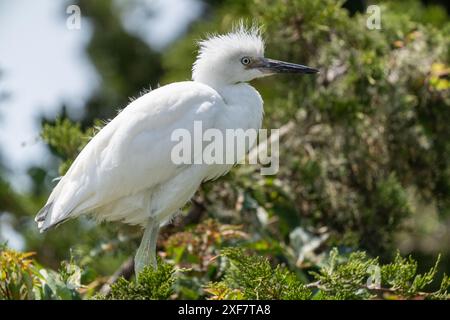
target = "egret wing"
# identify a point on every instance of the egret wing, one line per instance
(132, 152)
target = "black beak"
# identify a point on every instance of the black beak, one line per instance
(274, 66)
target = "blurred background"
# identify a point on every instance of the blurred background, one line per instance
(365, 163)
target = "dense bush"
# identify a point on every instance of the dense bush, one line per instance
(245, 277)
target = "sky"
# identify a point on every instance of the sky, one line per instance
(44, 65)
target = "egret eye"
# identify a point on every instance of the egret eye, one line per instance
(245, 61)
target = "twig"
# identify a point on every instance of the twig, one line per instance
(378, 291)
(125, 270)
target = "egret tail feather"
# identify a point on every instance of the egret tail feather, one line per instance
(42, 214)
(44, 218)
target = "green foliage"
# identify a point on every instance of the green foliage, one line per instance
(61, 285)
(362, 277)
(150, 284)
(66, 139)
(21, 278)
(17, 275)
(244, 276)
(362, 119)
(252, 277)
(341, 277)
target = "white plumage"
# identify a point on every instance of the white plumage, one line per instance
(125, 172)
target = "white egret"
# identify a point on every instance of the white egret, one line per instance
(125, 172)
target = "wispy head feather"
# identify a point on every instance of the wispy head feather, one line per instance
(242, 39)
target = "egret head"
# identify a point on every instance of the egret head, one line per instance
(238, 57)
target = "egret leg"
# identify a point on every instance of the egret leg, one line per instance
(146, 253)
